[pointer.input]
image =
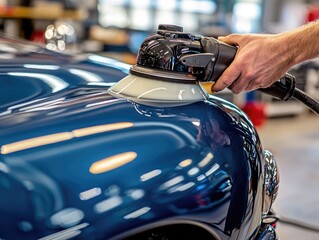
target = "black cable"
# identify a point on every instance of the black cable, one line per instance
(298, 223)
(284, 89)
(307, 100)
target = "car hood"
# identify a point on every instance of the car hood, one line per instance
(82, 159)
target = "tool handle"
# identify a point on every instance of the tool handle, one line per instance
(282, 89)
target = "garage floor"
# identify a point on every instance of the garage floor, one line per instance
(294, 142)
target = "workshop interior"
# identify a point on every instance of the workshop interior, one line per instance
(125, 32)
(117, 29)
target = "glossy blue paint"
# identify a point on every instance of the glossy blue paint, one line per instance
(29, 72)
(76, 159)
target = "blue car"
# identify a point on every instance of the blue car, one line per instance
(78, 162)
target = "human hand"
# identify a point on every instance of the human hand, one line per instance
(261, 59)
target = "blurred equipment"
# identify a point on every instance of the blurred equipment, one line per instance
(61, 36)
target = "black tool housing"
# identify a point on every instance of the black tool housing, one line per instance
(193, 57)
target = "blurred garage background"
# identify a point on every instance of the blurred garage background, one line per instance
(115, 28)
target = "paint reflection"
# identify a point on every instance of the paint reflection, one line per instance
(63, 136)
(206, 160)
(67, 217)
(185, 163)
(108, 204)
(42, 67)
(150, 175)
(181, 188)
(67, 233)
(86, 75)
(211, 134)
(56, 83)
(109, 62)
(193, 171)
(135, 194)
(203, 175)
(137, 213)
(185, 174)
(112, 162)
(91, 193)
(171, 182)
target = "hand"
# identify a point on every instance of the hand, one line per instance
(261, 59)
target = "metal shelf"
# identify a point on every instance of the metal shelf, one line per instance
(42, 13)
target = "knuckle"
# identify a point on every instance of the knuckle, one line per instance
(249, 76)
(235, 89)
(228, 81)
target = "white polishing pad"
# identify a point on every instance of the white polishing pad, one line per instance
(158, 93)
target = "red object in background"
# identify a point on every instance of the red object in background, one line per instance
(313, 13)
(256, 112)
(38, 36)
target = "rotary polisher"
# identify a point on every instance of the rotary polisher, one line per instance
(176, 68)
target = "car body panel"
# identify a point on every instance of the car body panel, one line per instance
(75, 160)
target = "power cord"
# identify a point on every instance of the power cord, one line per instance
(284, 89)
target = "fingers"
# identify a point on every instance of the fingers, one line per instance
(237, 76)
(253, 85)
(229, 76)
(239, 85)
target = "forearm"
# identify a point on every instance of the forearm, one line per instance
(302, 43)
(263, 59)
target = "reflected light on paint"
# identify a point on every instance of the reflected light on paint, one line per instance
(213, 169)
(87, 76)
(112, 162)
(109, 62)
(44, 67)
(4, 167)
(101, 103)
(101, 128)
(193, 171)
(136, 193)
(54, 82)
(36, 142)
(196, 123)
(91, 193)
(182, 187)
(59, 137)
(138, 213)
(206, 160)
(150, 175)
(106, 84)
(108, 204)
(66, 233)
(185, 163)
(172, 182)
(67, 217)
(201, 177)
